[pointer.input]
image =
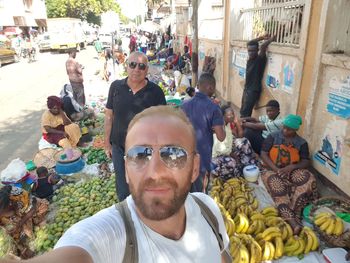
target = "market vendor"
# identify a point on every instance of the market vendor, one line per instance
(287, 179)
(57, 128)
(19, 213)
(230, 156)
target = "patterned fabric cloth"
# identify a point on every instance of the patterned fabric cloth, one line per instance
(291, 194)
(228, 166)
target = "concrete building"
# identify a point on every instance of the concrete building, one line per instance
(23, 13)
(308, 68)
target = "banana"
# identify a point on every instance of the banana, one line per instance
(255, 252)
(331, 226)
(257, 216)
(273, 220)
(260, 227)
(284, 231)
(301, 248)
(321, 218)
(244, 254)
(315, 242)
(291, 246)
(289, 230)
(322, 214)
(326, 224)
(259, 237)
(242, 223)
(308, 241)
(279, 248)
(240, 201)
(339, 226)
(270, 210)
(253, 227)
(269, 251)
(271, 233)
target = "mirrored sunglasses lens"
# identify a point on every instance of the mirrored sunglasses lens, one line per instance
(173, 157)
(139, 155)
(142, 66)
(132, 65)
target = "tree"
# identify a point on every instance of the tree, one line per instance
(89, 10)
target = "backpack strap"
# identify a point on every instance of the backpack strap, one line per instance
(214, 224)
(131, 252)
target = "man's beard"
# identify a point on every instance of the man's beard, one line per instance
(158, 208)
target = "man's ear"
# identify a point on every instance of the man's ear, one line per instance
(196, 167)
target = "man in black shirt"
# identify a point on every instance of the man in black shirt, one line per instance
(126, 98)
(254, 73)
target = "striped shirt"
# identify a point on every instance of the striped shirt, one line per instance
(271, 125)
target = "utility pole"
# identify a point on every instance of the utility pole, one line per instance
(194, 42)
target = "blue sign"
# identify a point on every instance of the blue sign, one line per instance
(339, 105)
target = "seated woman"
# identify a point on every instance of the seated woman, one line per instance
(57, 128)
(287, 179)
(19, 213)
(234, 153)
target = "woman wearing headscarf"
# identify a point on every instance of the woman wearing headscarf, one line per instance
(287, 179)
(57, 128)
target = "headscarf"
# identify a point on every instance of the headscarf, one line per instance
(292, 121)
(53, 101)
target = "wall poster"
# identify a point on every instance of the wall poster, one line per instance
(274, 69)
(339, 97)
(239, 61)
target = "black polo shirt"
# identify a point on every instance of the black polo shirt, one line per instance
(125, 105)
(254, 73)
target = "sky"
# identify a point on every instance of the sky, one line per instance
(132, 8)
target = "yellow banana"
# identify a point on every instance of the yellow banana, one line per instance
(284, 231)
(270, 210)
(271, 233)
(308, 241)
(244, 254)
(269, 251)
(339, 226)
(255, 252)
(322, 214)
(301, 248)
(291, 246)
(326, 224)
(253, 227)
(240, 201)
(289, 229)
(258, 237)
(322, 218)
(315, 242)
(242, 223)
(273, 220)
(331, 226)
(279, 248)
(257, 216)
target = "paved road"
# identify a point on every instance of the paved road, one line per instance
(24, 88)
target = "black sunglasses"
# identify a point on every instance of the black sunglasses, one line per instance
(174, 157)
(141, 66)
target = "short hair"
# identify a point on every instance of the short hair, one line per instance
(253, 43)
(41, 170)
(206, 79)
(164, 111)
(5, 192)
(225, 107)
(71, 51)
(139, 54)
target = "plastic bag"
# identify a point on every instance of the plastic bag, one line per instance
(15, 171)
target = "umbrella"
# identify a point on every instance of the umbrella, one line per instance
(12, 31)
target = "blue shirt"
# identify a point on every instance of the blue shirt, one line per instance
(204, 115)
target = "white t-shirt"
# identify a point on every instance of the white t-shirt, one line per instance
(103, 237)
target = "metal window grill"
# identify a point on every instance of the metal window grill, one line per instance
(282, 18)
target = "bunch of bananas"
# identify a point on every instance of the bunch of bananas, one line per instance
(329, 223)
(310, 238)
(244, 249)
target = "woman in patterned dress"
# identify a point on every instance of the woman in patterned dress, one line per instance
(19, 212)
(230, 156)
(287, 179)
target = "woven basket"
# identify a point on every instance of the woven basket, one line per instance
(336, 204)
(45, 157)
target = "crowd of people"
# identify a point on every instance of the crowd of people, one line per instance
(165, 158)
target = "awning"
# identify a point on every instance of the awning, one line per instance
(41, 22)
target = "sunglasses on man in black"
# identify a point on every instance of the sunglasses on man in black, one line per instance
(141, 66)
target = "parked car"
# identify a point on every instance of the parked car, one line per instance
(7, 54)
(44, 42)
(105, 39)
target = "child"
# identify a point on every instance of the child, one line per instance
(45, 183)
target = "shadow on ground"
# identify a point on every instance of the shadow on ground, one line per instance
(19, 137)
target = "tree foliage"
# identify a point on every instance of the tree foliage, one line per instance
(89, 10)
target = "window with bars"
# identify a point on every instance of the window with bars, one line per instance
(282, 18)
